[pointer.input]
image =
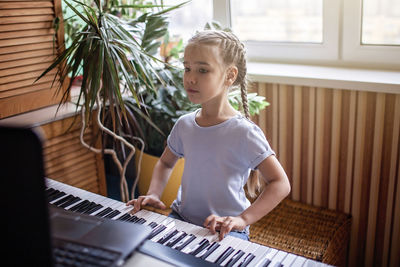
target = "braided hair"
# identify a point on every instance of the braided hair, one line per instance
(232, 52)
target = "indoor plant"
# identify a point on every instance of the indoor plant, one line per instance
(114, 56)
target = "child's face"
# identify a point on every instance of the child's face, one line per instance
(204, 78)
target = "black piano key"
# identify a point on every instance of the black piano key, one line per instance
(70, 202)
(153, 224)
(141, 221)
(55, 196)
(168, 236)
(246, 261)
(171, 244)
(87, 207)
(210, 250)
(62, 200)
(51, 192)
(189, 240)
(235, 258)
(224, 255)
(124, 217)
(266, 263)
(202, 245)
(103, 212)
(156, 231)
(112, 214)
(93, 209)
(78, 205)
(133, 219)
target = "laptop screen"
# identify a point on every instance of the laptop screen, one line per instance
(24, 206)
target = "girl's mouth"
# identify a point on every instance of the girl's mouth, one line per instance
(192, 91)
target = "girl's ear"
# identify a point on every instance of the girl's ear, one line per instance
(231, 75)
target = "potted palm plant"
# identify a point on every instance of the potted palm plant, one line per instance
(114, 55)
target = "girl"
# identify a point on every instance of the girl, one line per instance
(220, 146)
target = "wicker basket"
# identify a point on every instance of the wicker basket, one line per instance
(305, 230)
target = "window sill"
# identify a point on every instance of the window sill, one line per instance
(327, 77)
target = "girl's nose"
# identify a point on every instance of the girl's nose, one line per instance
(190, 78)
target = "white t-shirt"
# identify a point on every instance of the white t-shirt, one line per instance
(218, 160)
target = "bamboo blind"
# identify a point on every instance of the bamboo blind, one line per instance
(28, 44)
(341, 150)
(67, 161)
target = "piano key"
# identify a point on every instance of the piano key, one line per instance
(229, 250)
(289, 259)
(299, 261)
(235, 258)
(246, 260)
(276, 261)
(240, 245)
(211, 249)
(259, 254)
(168, 236)
(176, 239)
(224, 244)
(199, 247)
(184, 242)
(267, 259)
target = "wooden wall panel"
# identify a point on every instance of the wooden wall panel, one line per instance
(341, 150)
(67, 161)
(28, 45)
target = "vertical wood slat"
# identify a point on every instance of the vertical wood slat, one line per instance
(341, 135)
(350, 151)
(310, 149)
(319, 144)
(297, 107)
(375, 177)
(392, 182)
(335, 145)
(282, 127)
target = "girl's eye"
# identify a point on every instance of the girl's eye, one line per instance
(187, 69)
(203, 70)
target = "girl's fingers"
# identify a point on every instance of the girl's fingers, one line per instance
(226, 227)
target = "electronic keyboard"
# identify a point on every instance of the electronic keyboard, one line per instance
(174, 237)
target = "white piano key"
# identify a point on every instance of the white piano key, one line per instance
(238, 244)
(251, 248)
(260, 254)
(298, 262)
(290, 258)
(224, 244)
(278, 258)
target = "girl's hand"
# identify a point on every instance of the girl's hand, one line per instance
(151, 200)
(224, 224)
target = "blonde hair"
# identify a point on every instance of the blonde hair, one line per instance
(232, 52)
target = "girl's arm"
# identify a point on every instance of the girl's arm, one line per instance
(276, 189)
(161, 173)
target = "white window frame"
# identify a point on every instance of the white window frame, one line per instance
(341, 40)
(353, 50)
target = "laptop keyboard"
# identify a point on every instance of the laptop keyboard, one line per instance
(71, 254)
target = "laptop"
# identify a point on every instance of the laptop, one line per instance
(36, 231)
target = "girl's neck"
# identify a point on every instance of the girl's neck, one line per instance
(213, 115)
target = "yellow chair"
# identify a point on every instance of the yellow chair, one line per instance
(146, 171)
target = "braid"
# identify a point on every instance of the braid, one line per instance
(245, 105)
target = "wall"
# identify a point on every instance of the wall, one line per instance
(28, 45)
(340, 149)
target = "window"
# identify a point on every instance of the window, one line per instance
(334, 32)
(192, 17)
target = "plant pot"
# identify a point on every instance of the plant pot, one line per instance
(146, 172)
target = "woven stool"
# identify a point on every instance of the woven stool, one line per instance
(316, 233)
